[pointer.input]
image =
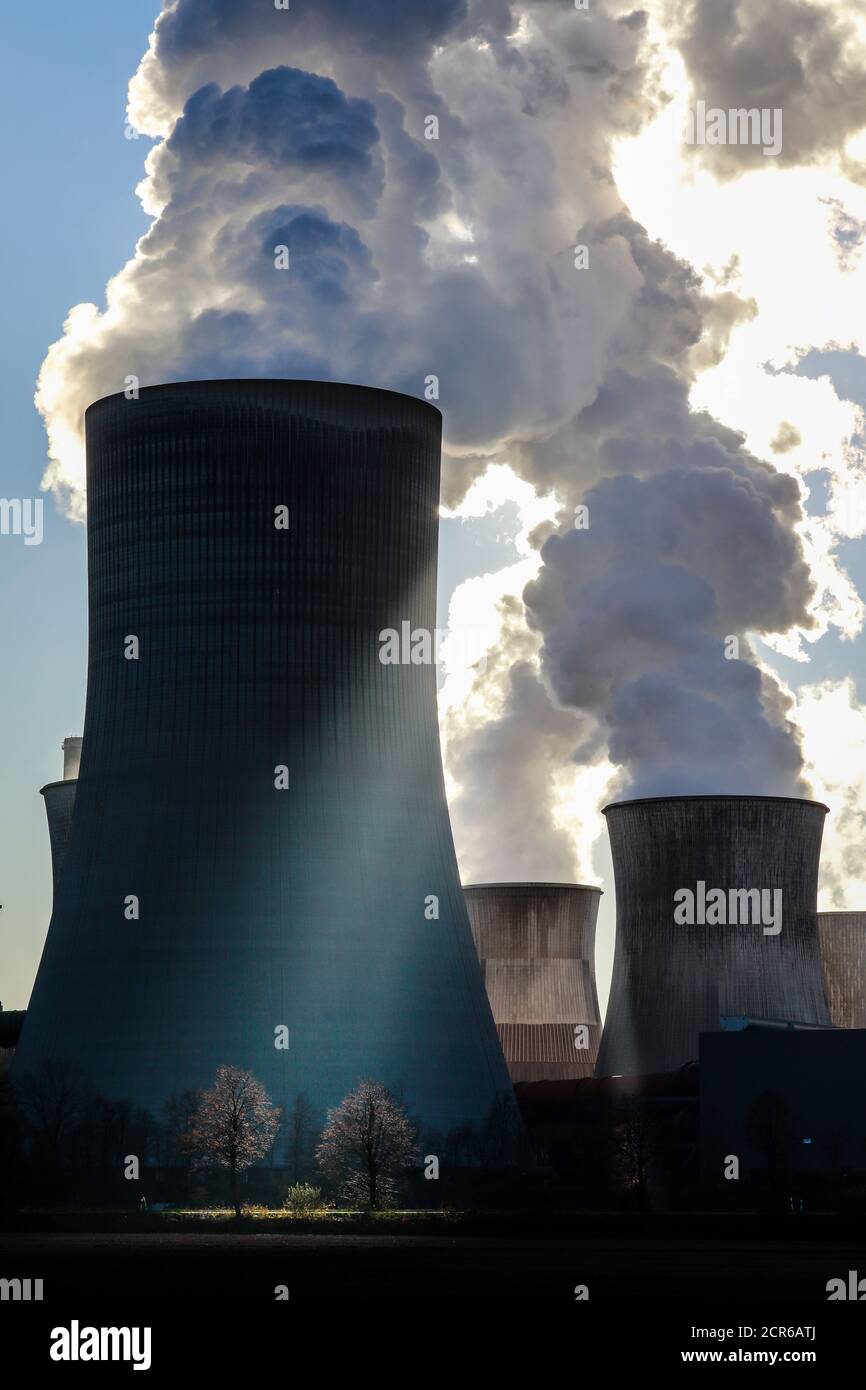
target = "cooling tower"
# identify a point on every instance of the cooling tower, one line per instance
(71, 758)
(673, 980)
(842, 938)
(59, 805)
(261, 870)
(536, 944)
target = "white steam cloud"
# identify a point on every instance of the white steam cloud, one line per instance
(455, 257)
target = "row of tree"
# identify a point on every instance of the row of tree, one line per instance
(76, 1143)
(367, 1143)
(62, 1144)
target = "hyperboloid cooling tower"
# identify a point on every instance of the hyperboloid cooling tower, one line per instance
(842, 938)
(536, 944)
(715, 914)
(71, 758)
(261, 870)
(59, 805)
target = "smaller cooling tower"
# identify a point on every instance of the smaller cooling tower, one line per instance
(842, 938)
(71, 758)
(680, 965)
(536, 944)
(59, 805)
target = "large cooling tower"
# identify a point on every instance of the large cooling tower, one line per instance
(536, 944)
(672, 981)
(842, 938)
(261, 840)
(59, 805)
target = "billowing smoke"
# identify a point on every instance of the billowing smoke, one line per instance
(686, 545)
(408, 257)
(804, 58)
(389, 193)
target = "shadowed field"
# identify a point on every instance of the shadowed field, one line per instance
(161, 1268)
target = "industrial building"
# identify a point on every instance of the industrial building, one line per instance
(59, 805)
(536, 945)
(783, 1102)
(748, 866)
(842, 938)
(261, 869)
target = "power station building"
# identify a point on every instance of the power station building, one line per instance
(716, 914)
(59, 805)
(261, 869)
(842, 938)
(536, 944)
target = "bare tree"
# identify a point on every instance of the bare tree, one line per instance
(366, 1143)
(502, 1131)
(462, 1145)
(234, 1124)
(177, 1117)
(302, 1120)
(635, 1147)
(53, 1098)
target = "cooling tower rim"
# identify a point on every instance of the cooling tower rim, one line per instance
(220, 383)
(845, 912)
(531, 884)
(63, 782)
(711, 796)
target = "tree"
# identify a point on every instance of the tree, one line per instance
(502, 1131)
(12, 1131)
(234, 1124)
(461, 1146)
(53, 1098)
(302, 1120)
(178, 1113)
(635, 1139)
(366, 1143)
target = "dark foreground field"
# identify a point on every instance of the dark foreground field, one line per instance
(246, 1268)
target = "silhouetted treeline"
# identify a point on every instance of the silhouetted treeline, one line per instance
(62, 1145)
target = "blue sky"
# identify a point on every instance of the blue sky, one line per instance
(73, 183)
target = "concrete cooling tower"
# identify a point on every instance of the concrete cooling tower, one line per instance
(536, 944)
(261, 870)
(842, 938)
(59, 805)
(71, 758)
(715, 914)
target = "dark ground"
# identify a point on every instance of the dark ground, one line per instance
(160, 1268)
